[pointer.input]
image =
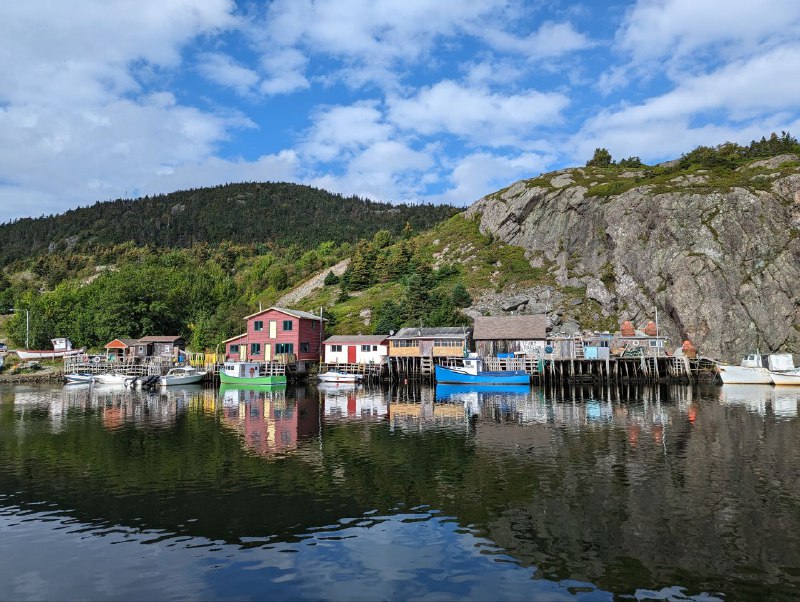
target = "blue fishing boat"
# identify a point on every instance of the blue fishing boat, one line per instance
(469, 372)
(447, 393)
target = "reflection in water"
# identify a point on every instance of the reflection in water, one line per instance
(403, 492)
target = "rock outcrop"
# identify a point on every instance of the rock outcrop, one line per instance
(720, 263)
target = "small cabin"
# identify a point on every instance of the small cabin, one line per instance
(356, 349)
(496, 336)
(122, 349)
(443, 341)
(160, 346)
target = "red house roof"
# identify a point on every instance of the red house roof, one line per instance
(289, 312)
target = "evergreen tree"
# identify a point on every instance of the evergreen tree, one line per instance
(601, 158)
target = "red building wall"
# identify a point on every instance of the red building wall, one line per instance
(303, 330)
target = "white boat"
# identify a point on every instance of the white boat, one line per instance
(184, 375)
(77, 377)
(785, 377)
(61, 348)
(112, 378)
(755, 369)
(334, 376)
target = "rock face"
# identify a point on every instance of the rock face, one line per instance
(721, 265)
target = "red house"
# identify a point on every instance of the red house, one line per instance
(278, 334)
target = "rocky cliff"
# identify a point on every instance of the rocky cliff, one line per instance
(717, 254)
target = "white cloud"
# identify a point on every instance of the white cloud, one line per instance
(550, 40)
(223, 70)
(657, 28)
(345, 129)
(476, 114)
(479, 174)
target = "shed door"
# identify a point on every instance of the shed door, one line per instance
(268, 352)
(243, 352)
(427, 348)
(351, 354)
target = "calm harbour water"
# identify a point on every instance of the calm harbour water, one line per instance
(341, 493)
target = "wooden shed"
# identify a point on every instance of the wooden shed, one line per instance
(517, 335)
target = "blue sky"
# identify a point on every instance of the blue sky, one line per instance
(395, 100)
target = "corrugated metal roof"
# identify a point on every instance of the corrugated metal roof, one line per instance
(520, 328)
(356, 339)
(291, 312)
(439, 332)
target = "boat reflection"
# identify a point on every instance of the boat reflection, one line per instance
(759, 399)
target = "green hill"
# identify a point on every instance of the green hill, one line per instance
(250, 213)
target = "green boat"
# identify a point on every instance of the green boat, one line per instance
(253, 373)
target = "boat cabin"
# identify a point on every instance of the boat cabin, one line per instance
(777, 362)
(243, 369)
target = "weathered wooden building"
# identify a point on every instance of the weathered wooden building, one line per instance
(415, 350)
(517, 335)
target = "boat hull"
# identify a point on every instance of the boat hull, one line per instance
(79, 378)
(741, 375)
(338, 377)
(35, 354)
(252, 381)
(185, 379)
(789, 378)
(503, 377)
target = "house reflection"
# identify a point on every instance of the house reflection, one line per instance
(345, 401)
(268, 420)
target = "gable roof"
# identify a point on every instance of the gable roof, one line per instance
(439, 332)
(289, 312)
(238, 336)
(494, 328)
(356, 339)
(160, 339)
(121, 344)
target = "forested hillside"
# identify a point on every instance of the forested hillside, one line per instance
(250, 213)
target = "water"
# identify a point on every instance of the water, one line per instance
(337, 493)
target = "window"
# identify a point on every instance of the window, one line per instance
(255, 349)
(336, 348)
(448, 343)
(305, 348)
(313, 325)
(405, 343)
(258, 325)
(365, 348)
(287, 324)
(374, 347)
(234, 349)
(284, 347)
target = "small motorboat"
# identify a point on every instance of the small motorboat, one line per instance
(335, 376)
(112, 378)
(79, 377)
(183, 375)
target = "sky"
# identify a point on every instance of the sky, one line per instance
(424, 101)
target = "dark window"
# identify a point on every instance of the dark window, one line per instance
(287, 324)
(336, 348)
(313, 325)
(365, 347)
(284, 347)
(255, 348)
(305, 348)
(258, 325)
(234, 348)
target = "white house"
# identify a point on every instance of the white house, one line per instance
(356, 349)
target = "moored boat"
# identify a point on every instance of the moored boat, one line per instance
(755, 369)
(182, 375)
(79, 377)
(112, 378)
(785, 377)
(253, 373)
(335, 376)
(469, 372)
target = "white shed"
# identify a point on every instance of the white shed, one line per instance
(356, 349)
